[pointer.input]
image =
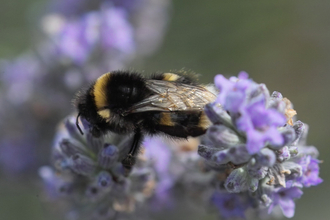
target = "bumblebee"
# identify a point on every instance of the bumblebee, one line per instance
(124, 102)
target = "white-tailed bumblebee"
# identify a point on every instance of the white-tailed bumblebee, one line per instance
(125, 102)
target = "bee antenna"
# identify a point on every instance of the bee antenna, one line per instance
(77, 124)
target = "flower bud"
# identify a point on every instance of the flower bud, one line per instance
(283, 154)
(108, 156)
(93, 192)
(276, 96)
(237, 181)
(289, 134)
(276, 102)
(82, 164)
(299, 128)
(217, 114)
(293, 151)
(207, 152)
(266, 157)
(303, 137)
(255, 170)
(222, 136)
(238, 154)
(69, 148)
(253, 184)
(104, 179)
(266, 200)
(221, 157)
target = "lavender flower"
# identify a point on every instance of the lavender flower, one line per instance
(87, 172)
(90, 169)
(257, 148)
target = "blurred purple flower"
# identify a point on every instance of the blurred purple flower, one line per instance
(115, 30)
(284, 197)
(169, 161)
(310, 169)
(160, 156)
(70, 7)
(19, 78)
(17, 156)
(107, 29)
(84, 39)
(230, 205)
(77, 38)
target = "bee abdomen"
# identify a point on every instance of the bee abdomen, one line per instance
(181, 124)
(178, 76)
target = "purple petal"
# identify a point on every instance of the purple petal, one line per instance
(230, 205)
(234, 101)
(243, 75)
(244, 123)
(275, 118)
(116, 32)
(291, 193)
(255, 141)
(159, 153)
(311, 169)
(274, 136)
(224, 85)
(258, 115)
(288, 208)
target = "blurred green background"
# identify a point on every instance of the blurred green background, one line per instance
(284, 44)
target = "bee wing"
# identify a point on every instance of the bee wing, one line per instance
(173, 96)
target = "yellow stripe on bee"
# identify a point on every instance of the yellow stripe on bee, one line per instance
(165, 119)
(100, 91)
(204, 121)
(105, 113)
(170, 77)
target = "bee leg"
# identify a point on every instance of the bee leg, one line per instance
(129, 161)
